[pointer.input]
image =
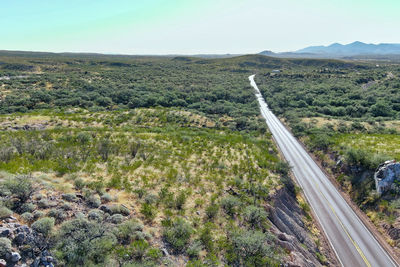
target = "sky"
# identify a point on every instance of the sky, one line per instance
(193, 26)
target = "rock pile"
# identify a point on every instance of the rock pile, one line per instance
(386, 174)
(21, 246)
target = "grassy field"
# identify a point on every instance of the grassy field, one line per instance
(386, 144)
(168, 166)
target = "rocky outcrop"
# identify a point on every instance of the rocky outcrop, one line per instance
(291, 232)
(385, 175)
(28, 247)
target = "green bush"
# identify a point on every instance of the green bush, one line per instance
(27, 216)
(149, 211)
(178, 235)
(5, 247)
(20, 187)
(43, 225)
(58, 214)
(139, 249)
(129, 231)
(5, 212)
(194, 249)
(80, 242)
(206, 237)
(27, 207)
(37, 214)
(120, 209)
(117, 218)
(230, 205)
(151, 199)
(250, 248)
(79, 183)
(96, 215)
(212, 210)
(43, 203)
(93, 201)
(180, 200)
(154, 254)
(69, 197)
(105, 198)
(255, 216)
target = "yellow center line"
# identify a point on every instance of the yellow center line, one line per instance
(344, 228)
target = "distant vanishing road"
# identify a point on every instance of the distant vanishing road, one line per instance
(352, 241)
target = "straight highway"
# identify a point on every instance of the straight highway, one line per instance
(352, 242)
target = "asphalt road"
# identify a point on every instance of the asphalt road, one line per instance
(352, 241)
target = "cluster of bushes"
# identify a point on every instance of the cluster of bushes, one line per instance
(330, 94)
(98, 85)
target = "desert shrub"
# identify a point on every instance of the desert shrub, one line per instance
(97, 185)
(117, 218)
(96, 215)
(250, 248)
(37, 214)
(66, 206)
(104, 148)
(206, 237)
(178, 235)
(212, 210)
(282, 167)
(43, 225)
(320, 141)
(27, 216)
(149, 211)
(105, 198)
(79, 183)
(230, 205)
(20, 187)
(255, 216)
(69, 197)
(5, 212)
(150, 199)
(129, 231)
(364, 159)
(5, 247)
(194, 249)
(117, 208)
(27, 207)
(180, 200)
(376, 159)
(139, 249)
(80, 242)
(58, 214)
(83, 138)
(43, 203)
(154, 254)
(93, 201)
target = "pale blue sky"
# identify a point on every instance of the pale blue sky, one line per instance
(193, 26)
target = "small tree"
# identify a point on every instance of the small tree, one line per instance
(20, 187)
(178, 235)
(255, 216)
(43, 226)
(230, 205)
(251, 248)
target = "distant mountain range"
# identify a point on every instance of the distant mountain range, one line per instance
(336, 50)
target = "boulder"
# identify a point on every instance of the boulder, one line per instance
(15, 257)
(4, 232)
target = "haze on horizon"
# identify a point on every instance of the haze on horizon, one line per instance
(193, 27)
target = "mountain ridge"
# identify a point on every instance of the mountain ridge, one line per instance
(355, 48)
